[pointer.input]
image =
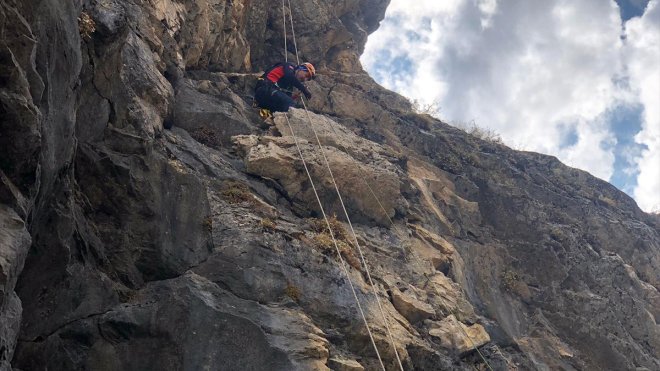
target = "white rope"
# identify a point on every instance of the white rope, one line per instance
(357, 244)
(341, 259)
(318, 199)
(293, 33)
(286, 54)
(417, 261)
(364, 263)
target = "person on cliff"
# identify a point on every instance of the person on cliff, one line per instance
(274, 93)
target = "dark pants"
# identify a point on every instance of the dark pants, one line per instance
(270, 97)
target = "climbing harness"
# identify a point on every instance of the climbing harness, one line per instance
(265, 114)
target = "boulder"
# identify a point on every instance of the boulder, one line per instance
(210, 112)
(341, 364)
(458, 337)
(186, 323)
(410, 307)
(432, 239)
(278, 158)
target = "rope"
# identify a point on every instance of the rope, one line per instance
(364, 263)
(474, 346)
(318, 199)
(341, 259)
(293, 32)
(417, 261)
(357, 244)
(286, 54)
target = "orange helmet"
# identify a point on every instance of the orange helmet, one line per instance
(309, 68)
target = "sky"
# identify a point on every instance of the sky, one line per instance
(576, 79)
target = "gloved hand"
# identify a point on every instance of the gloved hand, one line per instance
(308, 95)
(295, 96)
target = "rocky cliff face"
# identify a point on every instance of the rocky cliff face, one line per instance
(124, 246)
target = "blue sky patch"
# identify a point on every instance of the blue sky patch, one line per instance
(569, 136)
(388, 67)
(401, 65)
(625, 122)
(413, 36)
(631, 8)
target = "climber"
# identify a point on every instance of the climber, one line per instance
(274, 88)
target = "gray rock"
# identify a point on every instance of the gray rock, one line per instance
(340, 364)
(456, 336)
(14, 244)
(410, 307)
(189, 324)
(155, 249)
(209, 116)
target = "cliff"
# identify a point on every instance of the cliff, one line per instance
(127, 246)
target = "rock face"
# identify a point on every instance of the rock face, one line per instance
(198, 326)
(124, 246)
(14, 244)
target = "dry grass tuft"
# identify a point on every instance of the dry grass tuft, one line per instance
(607, 200)
(293, 292)
(86, 26)
(510, 280)
(236, 192)
(268, 224)
(323, 240)
(208, 223)
(320, 226)
(206, 136)
(558, 234)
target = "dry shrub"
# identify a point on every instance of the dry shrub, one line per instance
(205, 136)
(323, 240)
(293, 292)
(268, 224)
(236, 192)
(320, 226)
(431, 109)
(483, 133)
(208, 223)
(510, 279)
(86, 26)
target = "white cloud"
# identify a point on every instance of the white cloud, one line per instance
(529, 70)
(643, 60)
(592, 149)
(488, 8)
